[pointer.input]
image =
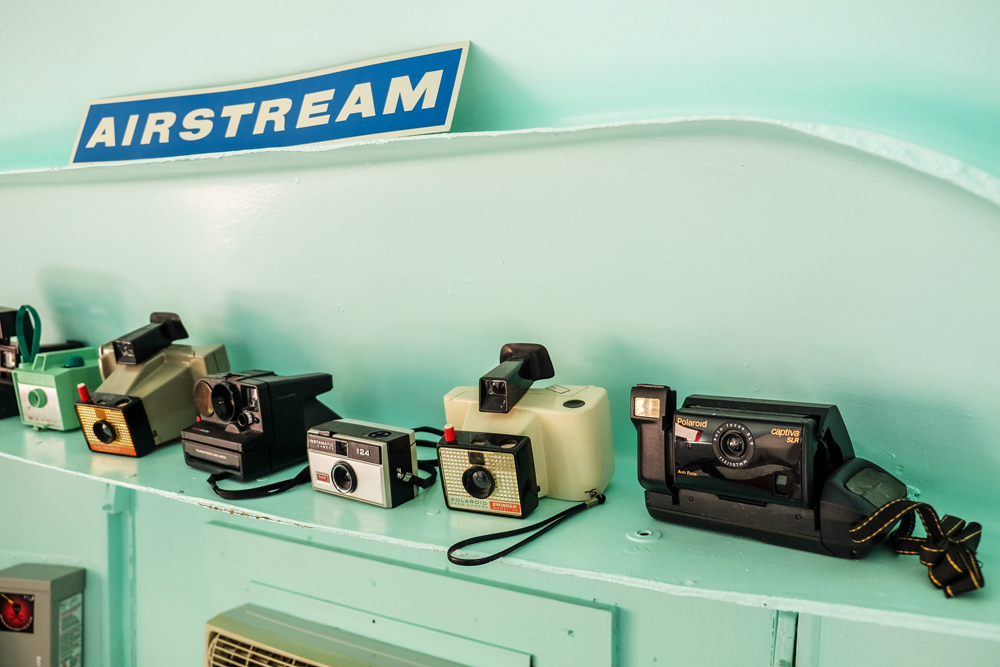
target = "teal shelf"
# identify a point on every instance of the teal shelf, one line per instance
(602, 544)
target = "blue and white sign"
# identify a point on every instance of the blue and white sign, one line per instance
(412, 93)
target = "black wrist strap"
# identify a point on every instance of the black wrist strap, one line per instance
(258, 491)
(948, 550)
(544, 526)
(427, 466)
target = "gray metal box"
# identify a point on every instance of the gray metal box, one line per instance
(41, 616)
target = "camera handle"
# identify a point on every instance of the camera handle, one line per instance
(544, 526)
(948, 550)
(29, 333)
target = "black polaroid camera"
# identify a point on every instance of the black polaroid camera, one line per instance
(783, 473)
(253, 423)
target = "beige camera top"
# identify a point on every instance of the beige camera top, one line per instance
(164, 382)
(570, 431)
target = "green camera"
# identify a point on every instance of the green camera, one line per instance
(47, 387)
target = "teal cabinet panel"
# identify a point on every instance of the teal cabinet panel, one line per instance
(187, 573)
(554, 632)
(834, 642)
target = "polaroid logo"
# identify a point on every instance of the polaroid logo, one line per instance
(401, 95)
(692, 423)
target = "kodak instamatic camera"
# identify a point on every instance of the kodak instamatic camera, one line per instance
(10, 354)
(783, 473)
(364, 461)
(47, 388)
(567, 430)
(146, 397)
(254, 423)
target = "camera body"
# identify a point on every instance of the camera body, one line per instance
(10, 358)
(146, 397)
(567, 428)
(780, 472)
(254, 422)
(46, 389)
(363, 461)
(491, 473)
(570, 431)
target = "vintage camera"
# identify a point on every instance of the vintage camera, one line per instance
(783, 473)
(365, 461)
(47, 389)
(10, 355)
(488, 472)
(253, 423)
(566, 429)
(146, 397)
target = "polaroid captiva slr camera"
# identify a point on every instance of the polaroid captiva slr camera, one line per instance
(779, 472)
(145, 399)
(523, 443)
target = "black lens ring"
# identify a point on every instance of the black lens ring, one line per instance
(470, 477)
(725, 453)
(104, 432)
(226, 401)
(338, 473)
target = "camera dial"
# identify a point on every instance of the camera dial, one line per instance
(344, 478)
(104, 432)
(478, 481)
(733, 444)
(226, 400)
(245, 420)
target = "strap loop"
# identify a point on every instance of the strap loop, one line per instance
(948, 551)
(427, 466)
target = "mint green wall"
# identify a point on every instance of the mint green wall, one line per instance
(721, 257)
(725, 258)
(924, 72)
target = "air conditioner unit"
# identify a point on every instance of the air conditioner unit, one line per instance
(252, 636)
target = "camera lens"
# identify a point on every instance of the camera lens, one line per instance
(245, 419)
(343, 478)
(498, 387)
(226, 400)
(104, 432)
(478, 482)
(734, 445)
(203, 399)
(37, 398)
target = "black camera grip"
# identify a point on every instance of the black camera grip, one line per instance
(258, 491)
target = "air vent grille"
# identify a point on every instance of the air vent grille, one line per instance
(225, 651)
